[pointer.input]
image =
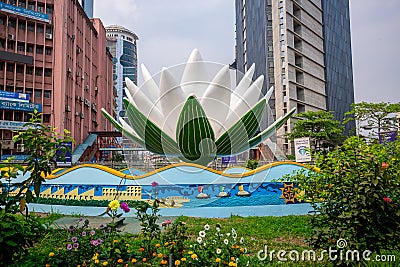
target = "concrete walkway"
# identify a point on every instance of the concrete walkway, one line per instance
(129, 224)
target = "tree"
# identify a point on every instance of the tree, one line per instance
(370, 116)
(41, 143)
(324, 131)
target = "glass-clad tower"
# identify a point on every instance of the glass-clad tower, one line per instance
(303, 48)
(121, 43)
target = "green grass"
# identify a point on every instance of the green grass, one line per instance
(278, 233)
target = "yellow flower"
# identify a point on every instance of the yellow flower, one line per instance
(115, 241)
(157, 245)
(114, 205)
(160, 255)
(190, 252)
(183, 259)
(105, 263)
(317, 169)
(96, 261)
(127, 245)
(154, 254)
(242, 250)
(194, 256)
(177, 262)
(51, 254)
(141, 249)
(233, 264)
(217, 260)
(144, 259)
(120, 260)
(166, 244)
(163, 262)
(133, 260)
(233, 259)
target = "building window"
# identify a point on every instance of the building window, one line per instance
(18, 116)
(29, 70)
(40, 28)
(46, 118)
(38, 94)
(21, 25)
(47, 51)
(29, 48)
(31, 27)
(47, 94)
(40, 8)
(31, 5)
(38, 72)
(2, 20)
(2, 43)
(21, 4)
(10, 45)
(21, 47)
(48, 29)
(10, 67)
(47, 72)
(11, 23)
(49, 9)
(39, 49)
(20, 69)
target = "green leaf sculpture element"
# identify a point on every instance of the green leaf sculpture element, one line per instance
(194, 133)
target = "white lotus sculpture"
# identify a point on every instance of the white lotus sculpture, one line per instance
(196, 119)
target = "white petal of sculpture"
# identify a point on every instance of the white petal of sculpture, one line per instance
(197, 118)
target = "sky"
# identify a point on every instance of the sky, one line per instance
(169, 30)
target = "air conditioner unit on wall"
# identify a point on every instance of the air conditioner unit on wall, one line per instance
(7, 144)
(49, 36)
(81, 98)
(82, 115)
(77, 97)
(20, 148)
(68, 108)
(11, 36)
(69, 70)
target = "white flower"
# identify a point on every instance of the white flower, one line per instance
(233, 231)
(202, 233)
(218, 229)
(206, 227)
(228, 234)
(234, 235)
(199, 239)
(219, 251)
(226, 242)
(241, 240)
(204, 244)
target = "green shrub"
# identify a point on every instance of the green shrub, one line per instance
(355, 191)
(17, 234)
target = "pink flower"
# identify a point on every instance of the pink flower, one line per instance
(387, 200)
(69, 246)
(167, 222)
(92, 232)
(74, 239)
(154, 184)
(83, 233)
(76, 245)
(125, 207)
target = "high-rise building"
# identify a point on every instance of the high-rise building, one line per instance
(303, 48)
(121, 43)
(87, 7)
(53, 58)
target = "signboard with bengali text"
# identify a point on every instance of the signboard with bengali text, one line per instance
(27, 13)
(23, 106)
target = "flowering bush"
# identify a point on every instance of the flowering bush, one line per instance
(213, 247)
(355, 192)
